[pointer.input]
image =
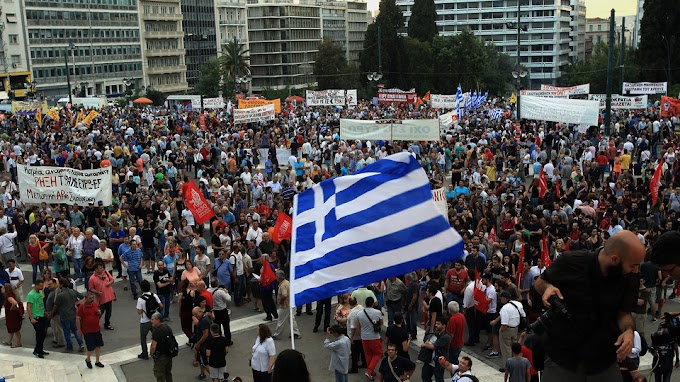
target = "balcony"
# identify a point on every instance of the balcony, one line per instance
(165, 52)
(232, 22)
(171, 88)
(163, 34)
(166, 69)
(161, 17)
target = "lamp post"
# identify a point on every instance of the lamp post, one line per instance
(241, 83)
(68, 74)
(519, 73)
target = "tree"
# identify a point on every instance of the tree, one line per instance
(594, 71)
(330, 67)
(210, 78)
(659, 49)
(417, 65)
(156, 96)
(422, 24)
(226, 60)
(390, 22)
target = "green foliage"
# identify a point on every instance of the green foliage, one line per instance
(659, 48)
(422, 24)
(156, 96)
(330, 68)
(417, 65)
(594, 71)
(390, 21)
(226, 60)
(209, 82)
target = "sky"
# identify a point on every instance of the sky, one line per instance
(594, 8)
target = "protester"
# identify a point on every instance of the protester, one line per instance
(88, 316)
(339, 345)
(263, 355)
(160, 350)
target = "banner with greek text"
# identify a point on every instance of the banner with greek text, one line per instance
(365, 130)
(443, 101)
(213, 103)
(448, 119)
(332, 97)
(67, 185)
(416, 130)
(439, 197)
(570, 90)
(645, 87)
(544, 93)
(621, 102)
(255, 114)
(575, 111)
(397, 95)
(282, 156)
(250, 103)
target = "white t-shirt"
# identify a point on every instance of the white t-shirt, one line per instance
(491, 293)
(141, 304)
(236, 260)
(260, 354)
(186, 214)
(511, 316)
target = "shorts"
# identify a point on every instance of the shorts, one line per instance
(202, 357)
(93, 340)
(652, 298)
(149, 254)
(487, 321)
(255, 288)
(217, 372)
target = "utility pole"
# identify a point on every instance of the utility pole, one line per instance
(623, 49)
(379, 52)
(610, 65)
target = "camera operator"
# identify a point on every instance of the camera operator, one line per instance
(599, 294)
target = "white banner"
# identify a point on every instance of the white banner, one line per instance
(645, 87)
(282, 156)
(575, 111)
(364, 130)
(448, 119)
(332, 97)
(443, 101)
(621, 102)
(570, 90)
(54, 185)
(439, 197)
(254, 114)
(416, 130)
(213, 103)
(544, 93)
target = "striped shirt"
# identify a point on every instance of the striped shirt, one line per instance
(133, 258)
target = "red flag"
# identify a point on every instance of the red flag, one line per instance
(656, 182)
(426, 97)
(545, 253)
(492, 235)
(481, 303)
(267, 276)
(419, 102)
(520, 269)
(566, 244)
(197, 204)
(558, 191)
(542, 184)
(283, 229)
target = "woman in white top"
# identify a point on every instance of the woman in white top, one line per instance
(75, 248)
(263, 355)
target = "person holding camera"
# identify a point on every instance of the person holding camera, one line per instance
(599, 293)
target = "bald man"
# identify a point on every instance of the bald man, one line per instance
(599, 290)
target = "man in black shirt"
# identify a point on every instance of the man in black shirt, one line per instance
(599, 290)
(163, 282)
(395, 368)
(160, 349)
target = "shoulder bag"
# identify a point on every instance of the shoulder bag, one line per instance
(398, 378)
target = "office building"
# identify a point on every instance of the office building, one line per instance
(15, 74)
(283, 39)
(578, 30)
(546, 46)
(638, 18)
(345, 24)
(200, 36)
(101, 39)
(163, 41)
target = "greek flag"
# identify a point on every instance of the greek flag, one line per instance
(353, 230)
(496, 113)
(481, 99)
(459, 97)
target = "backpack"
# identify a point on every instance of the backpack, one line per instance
(151, 305)
(471, 377)
(172, 347)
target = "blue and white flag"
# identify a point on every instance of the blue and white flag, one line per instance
(468, 101)
(481, 99)
(459, 97)
(496, 113)
(353, 230)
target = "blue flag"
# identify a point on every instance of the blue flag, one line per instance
(378, 223)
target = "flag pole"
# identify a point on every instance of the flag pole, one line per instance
(292, 335)
(291, 290)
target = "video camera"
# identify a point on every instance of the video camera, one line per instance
(669, 331)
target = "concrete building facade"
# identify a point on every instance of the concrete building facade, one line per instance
(199, 22)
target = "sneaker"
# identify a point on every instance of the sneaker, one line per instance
(297, 336)
(369, 376)
(502, 370)
(82, 348)
(143, 356)
(89, 364)
(38, 355)
(316, 329)
(202, 377)
(654, 319)
(493, 354)
(310, 313)
(99, 364)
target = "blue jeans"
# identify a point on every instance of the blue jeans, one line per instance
(134, 276)
(40, 264)
(339, 377)
(78, 266)
(411, 317)
(69, 326)
(240, 288)
(165, 300)
(392, 309)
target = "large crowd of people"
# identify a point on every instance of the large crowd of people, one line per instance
(597, 186)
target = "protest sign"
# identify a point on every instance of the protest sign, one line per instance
(397, 95)
(256, 102)
(443, 101)
(621, 102)
(645, 87)
(67, 185)
(332, 97)
(255, 114)
(570, 90)
(544, 93)
(560, 110)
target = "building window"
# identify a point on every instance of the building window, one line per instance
(13, 39)
(16, 59)
(12, 18)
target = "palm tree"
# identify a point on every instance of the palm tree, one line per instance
(226, 60)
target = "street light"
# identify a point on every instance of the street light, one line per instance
(241, 82)
(68, 74)
(374, 76)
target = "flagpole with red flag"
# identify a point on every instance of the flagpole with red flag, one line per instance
(283, 229)
(545, 253)
(656, 182)
(520, 269)
(542, 184)
(481, 304)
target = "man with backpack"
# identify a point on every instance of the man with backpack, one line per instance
(163, 348)
(147, 304)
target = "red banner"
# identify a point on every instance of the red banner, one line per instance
(545, 253)
(283, 229)
(397, 95)
(267, 276)
(656, 182)
(481, 304)
(670, 106)
(542, 184)
(196, 203)
(520, 269)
